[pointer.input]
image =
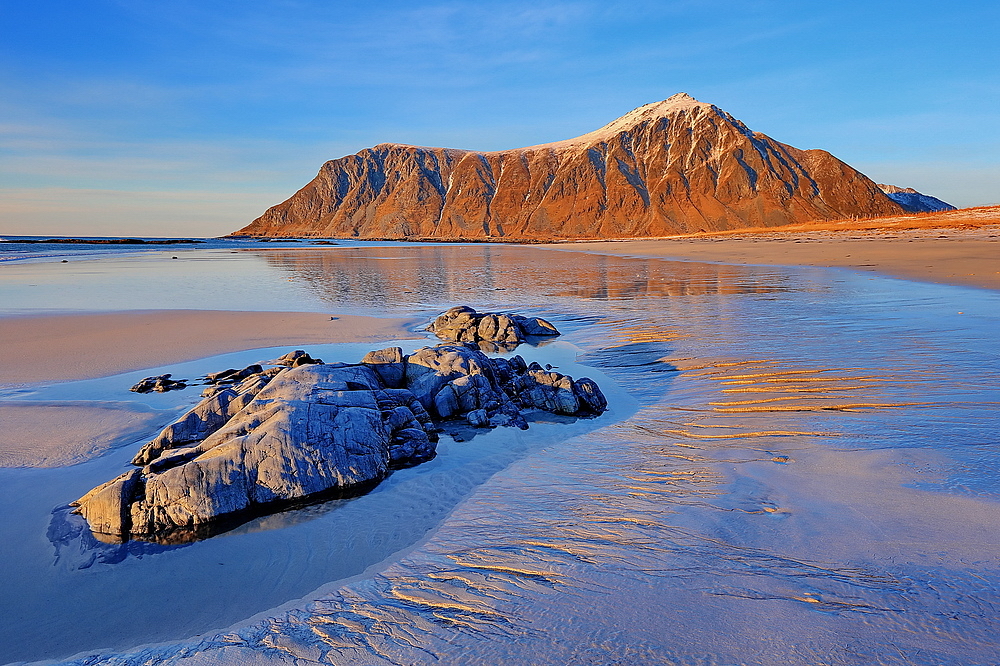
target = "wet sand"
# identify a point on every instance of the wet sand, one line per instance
(67, 347)
(56, 348)
(49, 435)
(958, 255)
(807, 479)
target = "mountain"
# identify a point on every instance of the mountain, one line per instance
(670, 167)
(913, 201)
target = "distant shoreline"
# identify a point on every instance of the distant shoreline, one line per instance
(964, 218)
(954, 256)
(958, 247)
(104, 241)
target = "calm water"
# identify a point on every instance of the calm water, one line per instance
(801, 467)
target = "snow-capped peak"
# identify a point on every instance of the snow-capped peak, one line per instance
(892, 189)
(679, 102)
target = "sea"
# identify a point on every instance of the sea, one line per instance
(799, 465)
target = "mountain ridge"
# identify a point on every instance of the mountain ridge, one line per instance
(913, 201)
(674, 166)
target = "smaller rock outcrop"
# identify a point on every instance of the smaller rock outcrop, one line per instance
(463, 324)
(296, 358)
(558, 393)
(232, 375)
(263, 439)
(159, 383)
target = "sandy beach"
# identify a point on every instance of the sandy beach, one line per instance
(50, 435)
(66, 347)
(56, 348)
(962, 254)
(789, 453)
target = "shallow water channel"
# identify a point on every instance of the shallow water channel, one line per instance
(800, 466)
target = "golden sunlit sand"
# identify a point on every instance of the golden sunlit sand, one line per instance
(960, 247)
(67, 347)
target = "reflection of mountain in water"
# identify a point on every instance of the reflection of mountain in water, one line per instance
(415, 276)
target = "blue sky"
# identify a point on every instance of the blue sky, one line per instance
(190, 117)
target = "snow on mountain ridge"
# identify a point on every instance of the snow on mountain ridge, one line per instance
(893, 189)
(913, 201)
(678, 103)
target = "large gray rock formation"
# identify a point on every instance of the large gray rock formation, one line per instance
(288, 434)
(274, 438)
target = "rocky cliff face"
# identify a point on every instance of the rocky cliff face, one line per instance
(675, 166)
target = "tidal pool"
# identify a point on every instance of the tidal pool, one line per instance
(801, 467)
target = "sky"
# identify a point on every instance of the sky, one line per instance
(191, 117)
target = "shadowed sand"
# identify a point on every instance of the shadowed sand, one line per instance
(69, 347)
(955, 247)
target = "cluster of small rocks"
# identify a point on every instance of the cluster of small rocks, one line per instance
(296, 358)
(263, 438)
(164, 383)
(232, 375)
(463, 324)
(159, 383)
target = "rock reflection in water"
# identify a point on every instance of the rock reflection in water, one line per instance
(69, 531)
